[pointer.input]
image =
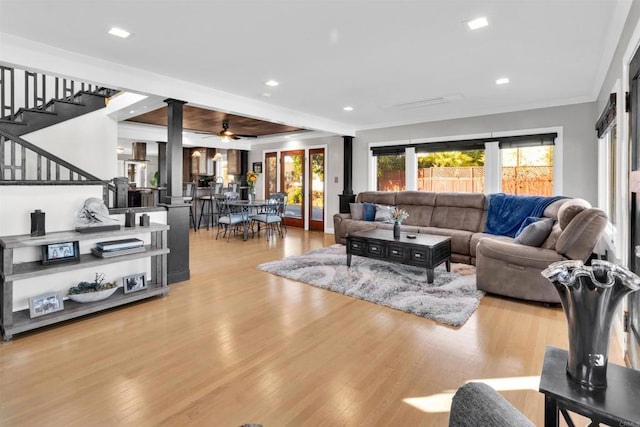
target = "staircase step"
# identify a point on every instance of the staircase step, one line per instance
(66, 108)
(56, 111)
(20, 115)
(12, 127)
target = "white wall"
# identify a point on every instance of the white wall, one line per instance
(618, 242)
(60, 205)
(580, 147)
(88, 142)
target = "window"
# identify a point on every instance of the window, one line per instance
(457, 171)
(607, 173)
(527, 170)
(391, 172)
(607, 154)
(516, 164)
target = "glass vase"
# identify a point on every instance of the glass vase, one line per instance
(590, 296)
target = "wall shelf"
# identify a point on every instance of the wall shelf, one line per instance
(20, 321)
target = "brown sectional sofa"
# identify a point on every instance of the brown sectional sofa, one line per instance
(504, 267)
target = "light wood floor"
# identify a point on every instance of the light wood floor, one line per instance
(235, 345)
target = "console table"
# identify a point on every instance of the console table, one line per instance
(618, 405)
(14, 322)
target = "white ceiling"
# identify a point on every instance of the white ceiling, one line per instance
(370, 55)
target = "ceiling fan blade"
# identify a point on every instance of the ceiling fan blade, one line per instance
(247, 136)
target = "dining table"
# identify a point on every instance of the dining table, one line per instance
(247, 206)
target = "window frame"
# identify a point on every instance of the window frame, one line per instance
(493, 161)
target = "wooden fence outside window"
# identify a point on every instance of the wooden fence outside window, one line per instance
(523, 180)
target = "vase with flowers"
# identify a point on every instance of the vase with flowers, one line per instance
(252, 177)
(397, 215)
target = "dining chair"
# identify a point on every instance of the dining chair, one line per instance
(206, 207)
(283, 212)
(188, 196)
(229, 218)
(218, 187)
(271, 217)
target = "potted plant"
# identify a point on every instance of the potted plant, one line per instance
(92, 291)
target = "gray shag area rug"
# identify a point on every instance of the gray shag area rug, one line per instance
(451, 298)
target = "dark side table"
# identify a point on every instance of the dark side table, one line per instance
(618, 405)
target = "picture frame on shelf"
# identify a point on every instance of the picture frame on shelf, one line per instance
(257, 167)
(45, 304)
(60, 252)
(134, 283)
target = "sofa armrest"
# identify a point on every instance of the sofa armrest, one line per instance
(582, 234)
(477, 404)
(516, 253)
(338, 231)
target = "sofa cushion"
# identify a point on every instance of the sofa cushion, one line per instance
(535, 233)
(418, 215)
(377, 197)
(369, 212)
(582, 234)
(357, 211)
(382, 213)
(419, 205)
(417, 198)
(473, 245)
(550, 242)
(570, 209)
(461, 211)
(552, 210)
(460, 239)
(350, 226)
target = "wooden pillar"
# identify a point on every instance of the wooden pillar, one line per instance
(244, 168)
(174, 151)
(347, 195)
(177, 209)
(162, 171)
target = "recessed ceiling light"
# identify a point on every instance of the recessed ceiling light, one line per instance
(348, 108)
(271, 83)
(119, 32)
(132, 111)
(266, 94)
(480, 22)
(502, 81)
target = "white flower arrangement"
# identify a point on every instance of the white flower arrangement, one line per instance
(398, 215)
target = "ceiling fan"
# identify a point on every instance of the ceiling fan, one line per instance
(226, 135)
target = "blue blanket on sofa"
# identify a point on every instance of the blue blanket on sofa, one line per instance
(507, 212)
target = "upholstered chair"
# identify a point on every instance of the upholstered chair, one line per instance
(507, 268)
(477, 404)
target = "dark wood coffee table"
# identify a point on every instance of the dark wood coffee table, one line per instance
(426, 250)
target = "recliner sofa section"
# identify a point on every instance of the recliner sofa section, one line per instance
(504, 266)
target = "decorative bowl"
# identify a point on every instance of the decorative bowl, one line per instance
(93, 296)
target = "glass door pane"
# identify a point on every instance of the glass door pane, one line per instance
(292, 178)
(316, 165)
(271, 174)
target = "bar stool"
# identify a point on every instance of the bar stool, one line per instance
(189, 195)
(206, 207)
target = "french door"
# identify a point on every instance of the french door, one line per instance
(633, 332)
(292, 169)
(301, 175)
(316, 189)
